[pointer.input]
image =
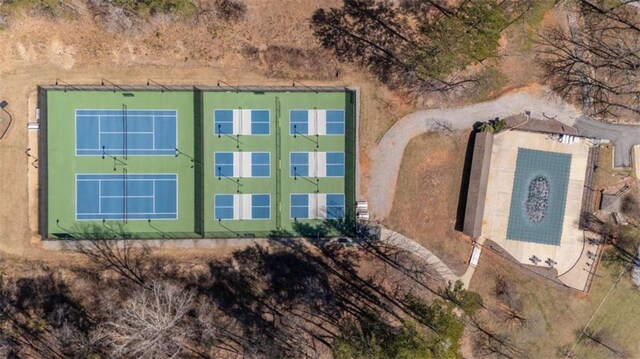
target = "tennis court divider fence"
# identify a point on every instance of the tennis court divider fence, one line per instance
(198, 154)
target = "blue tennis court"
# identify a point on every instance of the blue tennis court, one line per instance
(126, 132)
(126, 196)
(317, 205)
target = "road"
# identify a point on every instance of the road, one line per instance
(623, 137)
(387, 156)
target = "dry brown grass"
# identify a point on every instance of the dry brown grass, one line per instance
(554, 313)
(269, 47)
(427, 194)
(606, 175)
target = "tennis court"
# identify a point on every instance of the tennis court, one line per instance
(241, 122)
(126, 196)
(196, 162)
(317, 164)
(317, 206)
(126, 132)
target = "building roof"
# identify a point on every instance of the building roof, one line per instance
(478, 179)
(548, 125)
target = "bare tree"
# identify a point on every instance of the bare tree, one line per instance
(630, 207)
(107, 249)
(423, 45)
(152, 324)
(597, 60)
(599, 339)
(512, 307)
(490, 343)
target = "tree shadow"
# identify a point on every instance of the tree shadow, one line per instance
(298, 295)
(47, 318)
(268, 291)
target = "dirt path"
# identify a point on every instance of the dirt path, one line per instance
(387, 156)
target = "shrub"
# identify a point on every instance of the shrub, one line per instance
(495, 125)
(630, 206)
(47, 7)
(184, 8)
(230, 10)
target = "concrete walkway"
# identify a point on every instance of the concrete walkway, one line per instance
(468, 274)
(387, 156)
(398, 240)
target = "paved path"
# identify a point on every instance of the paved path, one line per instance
(468, 274)
(388, 154)
(400, 241)
(623, 137)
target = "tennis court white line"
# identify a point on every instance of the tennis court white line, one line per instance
(134, 214)
(152, 118)
(128, 213)
(128, 132)
(127, 196)
(121, 180)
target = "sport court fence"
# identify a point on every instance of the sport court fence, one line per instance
(198, 158)
(170, 88)
(589, 203)
(199, 171)
(43, 170)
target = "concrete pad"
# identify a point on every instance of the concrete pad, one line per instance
(498, 202)
(635, 155)
(33, 183)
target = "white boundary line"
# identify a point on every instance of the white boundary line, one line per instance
(213, 114)
(323, 109)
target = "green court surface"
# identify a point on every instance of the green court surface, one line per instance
(108, 158)
(538, 216)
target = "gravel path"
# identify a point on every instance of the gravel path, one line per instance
(387, 156)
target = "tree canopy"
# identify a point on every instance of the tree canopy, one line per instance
(420, 44)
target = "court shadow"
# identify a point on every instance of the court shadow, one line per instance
(308, 230)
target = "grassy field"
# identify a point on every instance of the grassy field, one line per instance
(554, 313)
(606, 175)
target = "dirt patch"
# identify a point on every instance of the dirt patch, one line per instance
(427, 194)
